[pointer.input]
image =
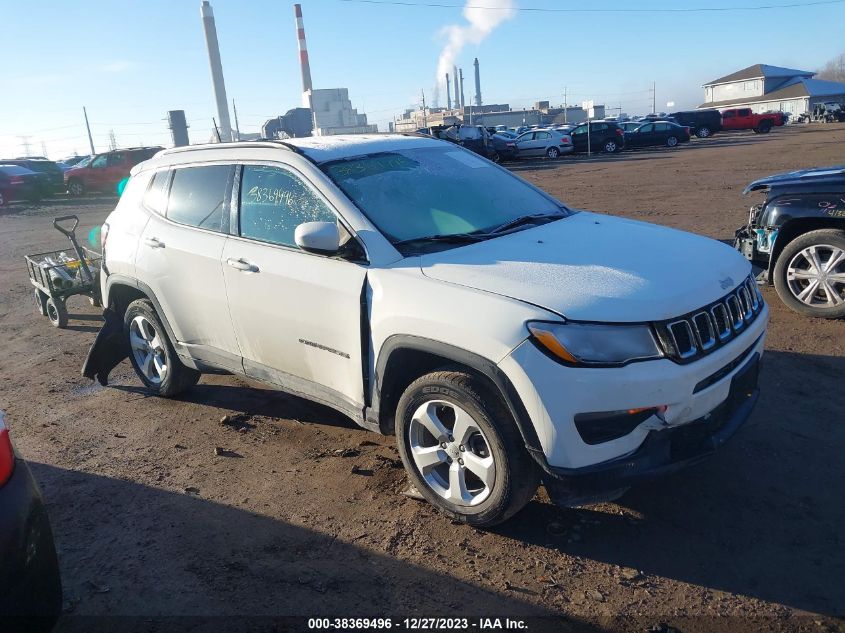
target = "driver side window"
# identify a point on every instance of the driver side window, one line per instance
(100, 162)
(274, 202)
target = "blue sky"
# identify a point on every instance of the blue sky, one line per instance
(131, 61)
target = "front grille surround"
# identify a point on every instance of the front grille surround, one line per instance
(705, 330)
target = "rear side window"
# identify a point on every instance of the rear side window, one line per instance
(155, 199)
(274, 202)
(197, 196)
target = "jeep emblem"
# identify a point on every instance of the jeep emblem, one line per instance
(726, 283)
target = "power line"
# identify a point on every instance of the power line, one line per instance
(440, 5)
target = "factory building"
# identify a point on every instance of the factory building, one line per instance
(492, 115)
(334, 114)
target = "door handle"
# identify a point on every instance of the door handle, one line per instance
(241, 264)
(153, 242)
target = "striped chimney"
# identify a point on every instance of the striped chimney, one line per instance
(305, 67)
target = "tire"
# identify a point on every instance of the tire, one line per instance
(496, 157)
(490, 437)
(610, 146)
(765, 127)
(40, 301)
(151, 352)
(672, 141)
(794, 276)
(75, 187)
(703, 132)
(553, 153)
(56, 312)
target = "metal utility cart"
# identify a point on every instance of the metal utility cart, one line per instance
(57, 275)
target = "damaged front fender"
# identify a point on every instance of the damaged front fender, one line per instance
(110, 348)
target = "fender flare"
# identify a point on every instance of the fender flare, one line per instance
(477, 363)
(123, 280)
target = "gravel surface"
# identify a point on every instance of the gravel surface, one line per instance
(302, 513)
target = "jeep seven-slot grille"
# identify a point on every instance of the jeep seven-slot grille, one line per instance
(700, 332)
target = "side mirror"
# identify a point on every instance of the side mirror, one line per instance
(318, 237)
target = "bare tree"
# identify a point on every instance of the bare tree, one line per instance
(834, 70)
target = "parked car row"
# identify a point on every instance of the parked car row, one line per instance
(33, 178)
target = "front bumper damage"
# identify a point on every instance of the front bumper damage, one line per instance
(663, 451)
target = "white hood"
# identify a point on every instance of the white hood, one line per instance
(591, 267)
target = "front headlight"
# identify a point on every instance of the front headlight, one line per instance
(595, 344)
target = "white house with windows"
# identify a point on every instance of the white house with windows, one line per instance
(765, 88)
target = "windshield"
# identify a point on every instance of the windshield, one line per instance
(435, 191)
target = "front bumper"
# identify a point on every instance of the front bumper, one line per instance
(663, 451)
(553, 395)
(30, 586)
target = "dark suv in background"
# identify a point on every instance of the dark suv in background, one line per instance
(605, 136)
(105, 171)
(51, 183)
(702, 123)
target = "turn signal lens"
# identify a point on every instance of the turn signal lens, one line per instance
(7, 456)
(551, 343)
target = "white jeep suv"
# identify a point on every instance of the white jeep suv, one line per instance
(425, 291)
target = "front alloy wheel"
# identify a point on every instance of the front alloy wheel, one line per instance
(703, 132)
(452, 453)
(810, 274)
(462, 449)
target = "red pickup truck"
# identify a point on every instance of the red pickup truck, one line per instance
(744, 119)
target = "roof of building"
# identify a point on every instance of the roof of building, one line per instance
(794, 89)
(758, 71)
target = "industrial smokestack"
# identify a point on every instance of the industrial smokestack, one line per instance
(178, 127)
(477, 84)
(463, 103)
(448, 93)
(305, 67)
(216, 70)
(457, 99)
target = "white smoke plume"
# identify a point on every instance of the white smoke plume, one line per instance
(480, 23)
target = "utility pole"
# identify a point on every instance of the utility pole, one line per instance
(565, 108)
(237, 129)
(654, 97)
(112, 141)
(88, 127)
(44, 149)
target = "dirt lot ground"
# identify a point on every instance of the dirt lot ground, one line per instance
(308, 518)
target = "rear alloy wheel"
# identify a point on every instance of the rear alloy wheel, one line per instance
(765, 127)
(462, 449)
(703, 132)
(75, 187)
(810, 274)
(553, 152)
(151, 353)
(611, 147)
(672, 141)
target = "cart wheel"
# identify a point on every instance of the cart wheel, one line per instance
(40, 301)
(57, 312)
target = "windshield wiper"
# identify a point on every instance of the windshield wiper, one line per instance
(458, 238)
(527, 219)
